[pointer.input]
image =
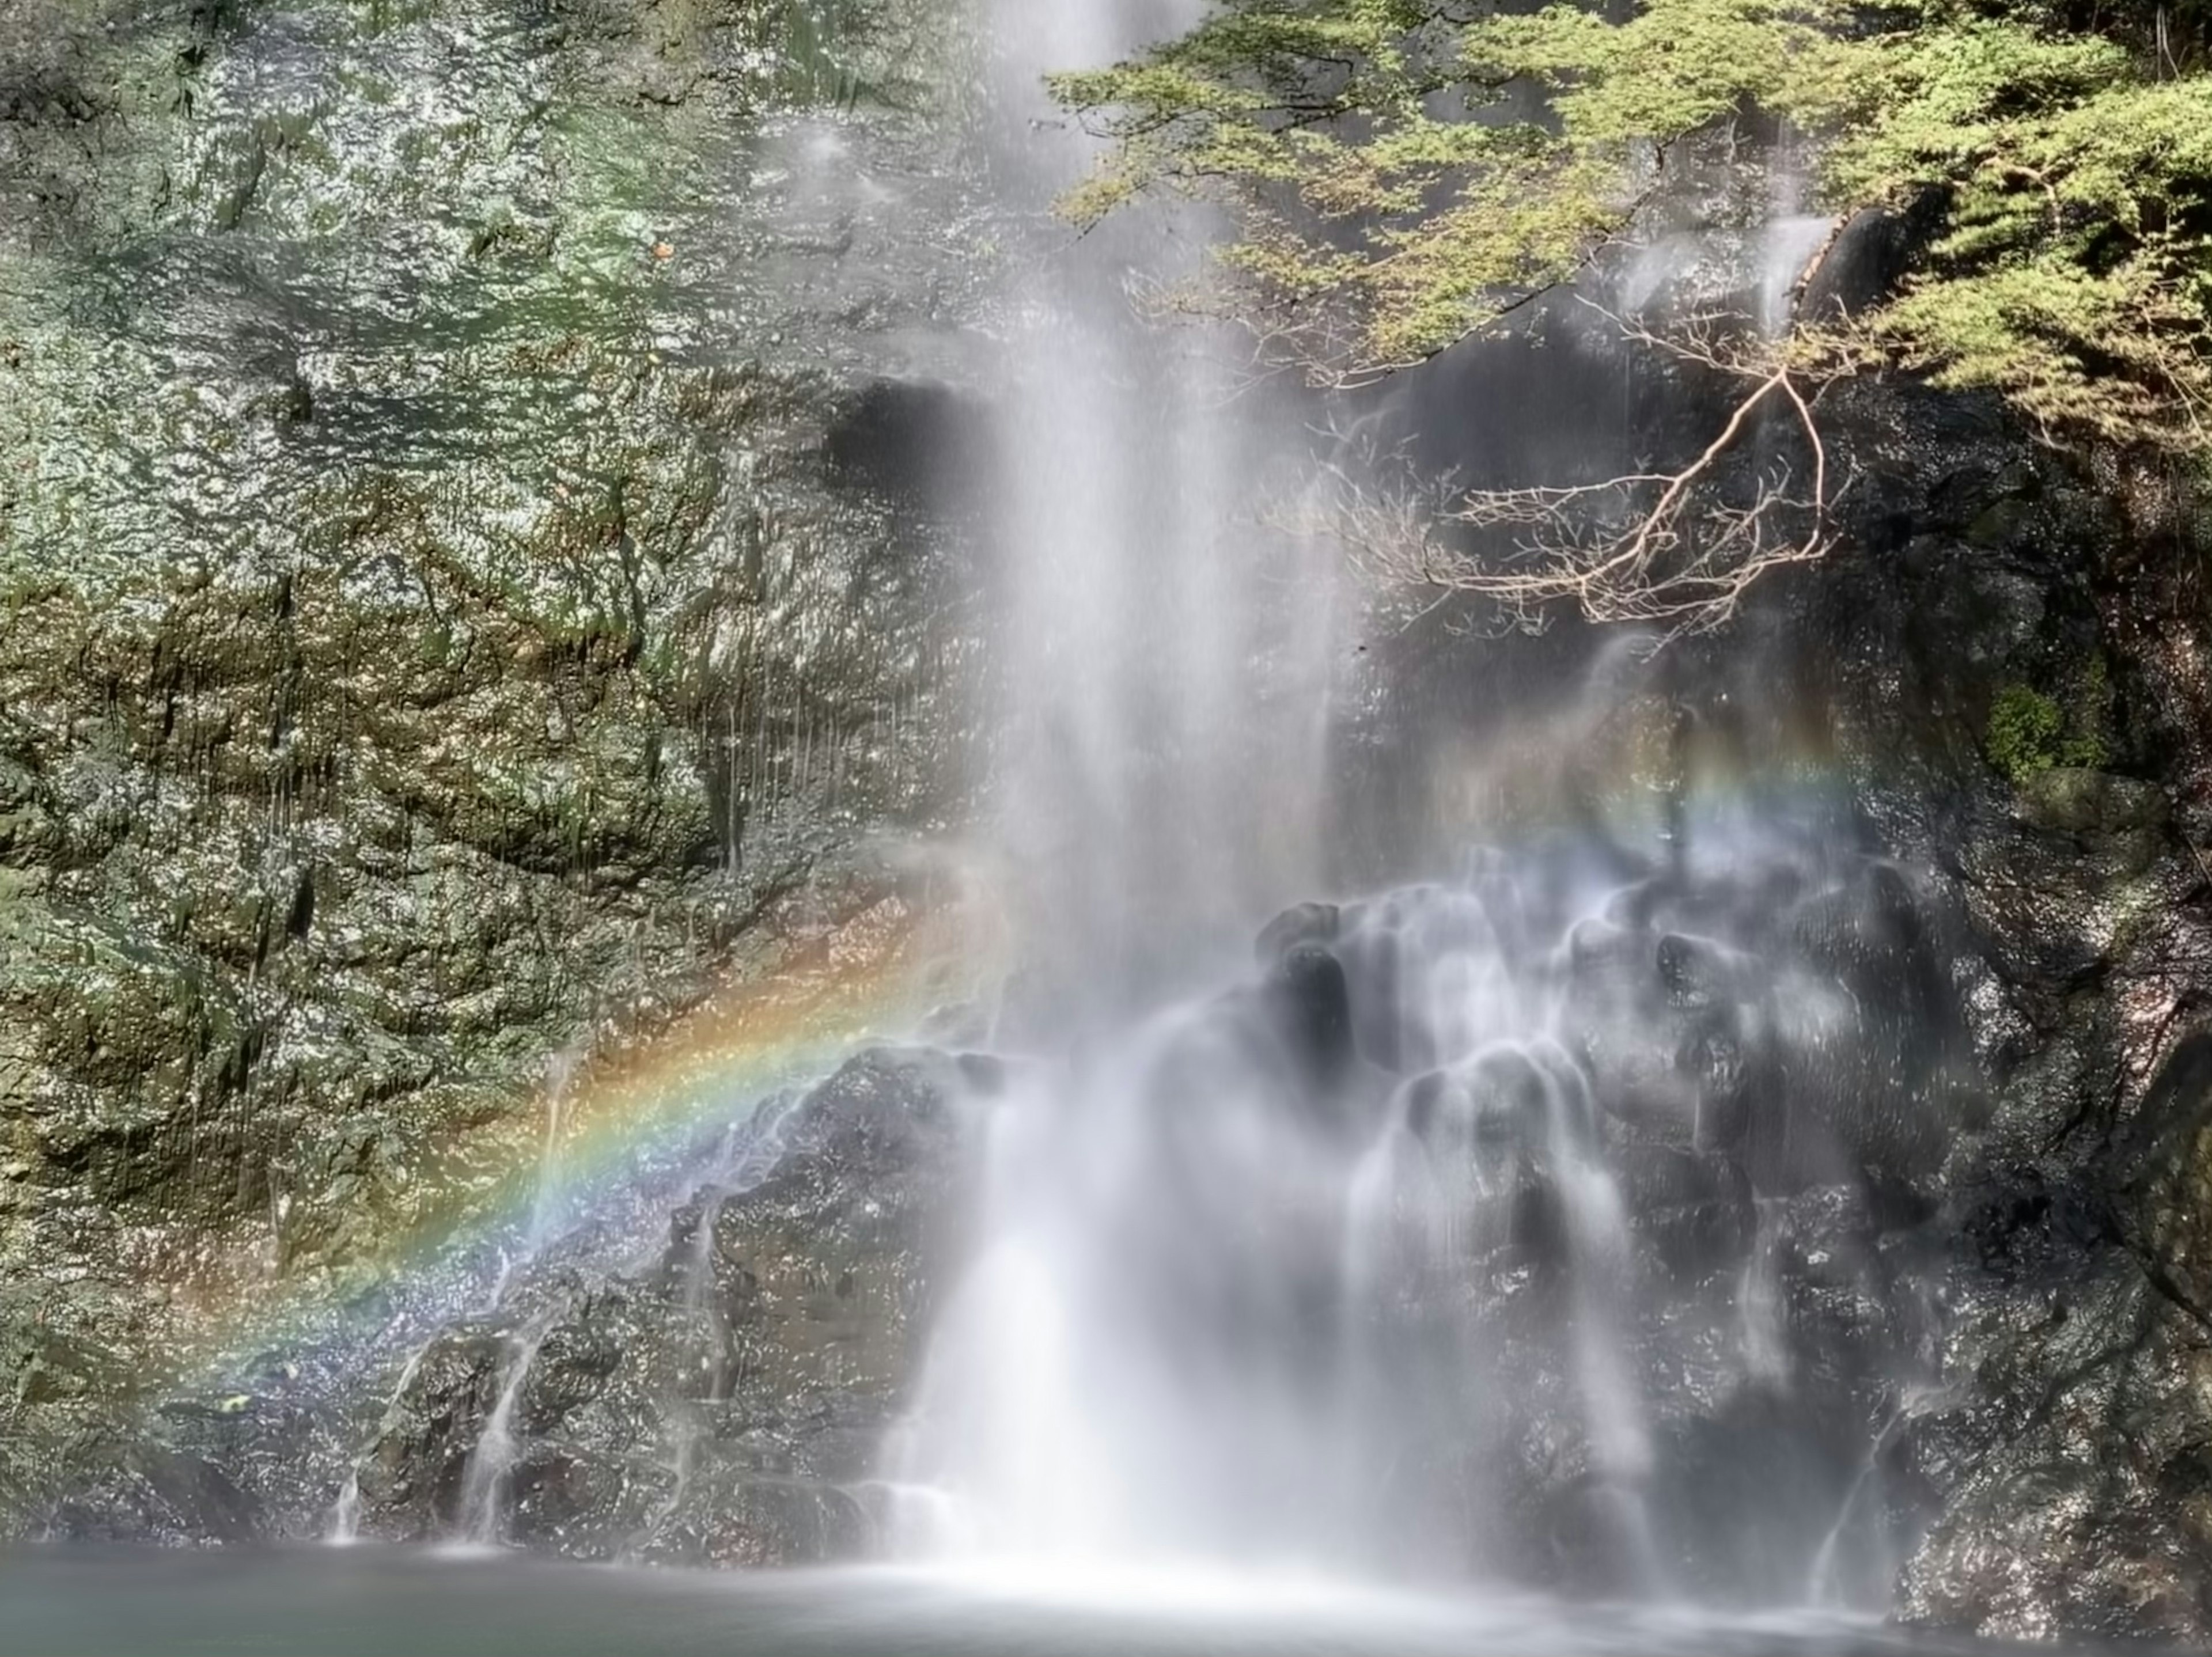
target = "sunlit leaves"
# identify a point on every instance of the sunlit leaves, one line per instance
(1409, 171)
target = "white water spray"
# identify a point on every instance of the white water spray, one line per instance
(1225, 1311)
(1332, 1263)
(1192, 1332)
(1165, 664)
(487, 1479)
(344, 1528)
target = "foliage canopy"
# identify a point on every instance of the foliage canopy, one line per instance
(1407, 172)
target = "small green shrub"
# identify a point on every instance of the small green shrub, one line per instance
(2025, 727)
(2029, 733)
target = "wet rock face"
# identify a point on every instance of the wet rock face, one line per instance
(2071, 1448)
(1796, 1024)
(1775, 1176)
(447, 603)
(1998, 686)
(727, 1405)
(2018, 717)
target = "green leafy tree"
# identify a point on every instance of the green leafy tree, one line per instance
(1405, 173)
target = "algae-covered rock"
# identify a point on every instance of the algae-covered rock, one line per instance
(434, 623)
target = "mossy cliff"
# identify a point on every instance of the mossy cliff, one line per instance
(436, 630)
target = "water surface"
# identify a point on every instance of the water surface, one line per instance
(66, 1602)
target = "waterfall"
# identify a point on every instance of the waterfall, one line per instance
(739, 1163)
(486, 1478)
(1259, 1267)
(545, 1216)
(1213, 1314)
(344, 1528)
(1766, 1353)
(1164, 664)
(1345, 1250)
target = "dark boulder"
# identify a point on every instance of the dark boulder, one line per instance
(1309, 1003)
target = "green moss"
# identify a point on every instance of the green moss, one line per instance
(2030, 733)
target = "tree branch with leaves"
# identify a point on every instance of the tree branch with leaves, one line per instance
(1406, 174)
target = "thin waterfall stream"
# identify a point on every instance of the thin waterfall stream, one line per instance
(486, 1476)
(344, 1529)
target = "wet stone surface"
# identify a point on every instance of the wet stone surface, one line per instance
(438, 628)
(725, 1407)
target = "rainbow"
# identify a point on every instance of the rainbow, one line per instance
(870, 978)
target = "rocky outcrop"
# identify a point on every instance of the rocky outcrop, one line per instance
(719, 1402)
(2005, 688)
(1994, 685)
(726, 1406)
(440, 626)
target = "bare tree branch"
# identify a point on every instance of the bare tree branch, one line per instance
(1674, 548)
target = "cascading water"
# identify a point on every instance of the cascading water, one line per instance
(1399, 1255)
(1223, 1315)
(1441, 1242)
(1432, 1248)
(1212, 1316)
(1164, 686)
(490, 1465)
(1163, 669)
(344, 1528)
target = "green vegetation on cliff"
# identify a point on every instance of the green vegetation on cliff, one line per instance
(2017, 200)
(2029, 733)
(1408, 172)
